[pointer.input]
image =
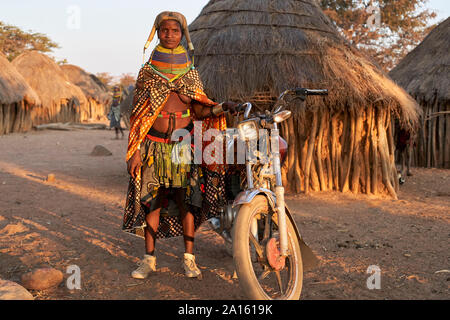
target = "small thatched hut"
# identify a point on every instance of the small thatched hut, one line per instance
(17, 99)
(61, 100)
(253, 50)
(98, 98)
(425, 74)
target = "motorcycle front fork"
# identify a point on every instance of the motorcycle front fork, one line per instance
(279, 192)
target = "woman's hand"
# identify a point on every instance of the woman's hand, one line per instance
(134, 164)
(230, 107)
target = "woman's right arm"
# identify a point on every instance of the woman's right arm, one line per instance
(134, 164)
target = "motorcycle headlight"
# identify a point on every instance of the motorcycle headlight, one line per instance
(281, 116)
(248, 130)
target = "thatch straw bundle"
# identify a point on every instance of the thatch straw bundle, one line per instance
(98, 98)
(61, 100)
(253, 50)
(424, 73)
(17, 99)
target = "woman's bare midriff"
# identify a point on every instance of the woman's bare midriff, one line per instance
(176, 103)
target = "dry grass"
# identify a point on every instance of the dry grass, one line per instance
(61, 100)
(13, 87)
(86, 82)
(424, 72)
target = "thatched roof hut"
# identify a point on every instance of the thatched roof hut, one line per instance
(62, 101)
(424, 73)
(253, 50)
(99, 82)
(98, 98)
(17, 99)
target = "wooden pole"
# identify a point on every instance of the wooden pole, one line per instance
(367, 148)
(349, 156)
(441, 139)
(383, 148)
(434, 158)
(428, 126)
(320, 173)
(309, 159)
(357, 152)
(327, 142)
(374, 138)
(394, 180)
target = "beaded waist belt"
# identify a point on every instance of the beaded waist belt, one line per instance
(177, 114)
(158, 136)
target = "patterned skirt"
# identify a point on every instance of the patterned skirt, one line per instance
(167, 165)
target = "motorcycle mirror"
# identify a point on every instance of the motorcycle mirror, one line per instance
(248, 108)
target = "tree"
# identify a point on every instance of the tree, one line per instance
(127, 79)
(386, 29)
(106, 78)
(62, 62)
(14, 41)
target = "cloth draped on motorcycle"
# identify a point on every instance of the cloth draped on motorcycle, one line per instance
(205, 183)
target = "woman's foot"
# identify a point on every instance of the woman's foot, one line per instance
(146, 266)
(190, 268)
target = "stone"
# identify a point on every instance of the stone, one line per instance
(51, 178)
(42, 278)
(12, 291)
(100, 151)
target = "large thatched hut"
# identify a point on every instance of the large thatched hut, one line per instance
(98, 98)
(424, 73)
(61, 100)
(253, 50)
(17, 99)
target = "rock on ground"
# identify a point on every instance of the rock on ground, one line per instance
(41, 279)
(12, 291)
(100, 151)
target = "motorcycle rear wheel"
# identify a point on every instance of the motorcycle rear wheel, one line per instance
(254, 276)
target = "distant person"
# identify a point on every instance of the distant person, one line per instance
(114, 114)
(404, 143)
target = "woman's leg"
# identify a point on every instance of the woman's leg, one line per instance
(187, 220)
(152, 220)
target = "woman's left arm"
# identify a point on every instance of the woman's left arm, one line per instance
(201, 111)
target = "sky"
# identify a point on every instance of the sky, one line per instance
(108, 35)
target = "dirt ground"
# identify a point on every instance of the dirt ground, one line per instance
(76, 220)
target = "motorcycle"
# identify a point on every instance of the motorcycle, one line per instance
(269, 253)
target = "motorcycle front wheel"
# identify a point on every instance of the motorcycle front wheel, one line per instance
(255, 225)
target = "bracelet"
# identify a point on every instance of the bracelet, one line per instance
(217, 110)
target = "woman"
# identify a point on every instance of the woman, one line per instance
(168, 95)
(114, 115)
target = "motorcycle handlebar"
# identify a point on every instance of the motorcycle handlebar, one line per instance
(310, 92)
